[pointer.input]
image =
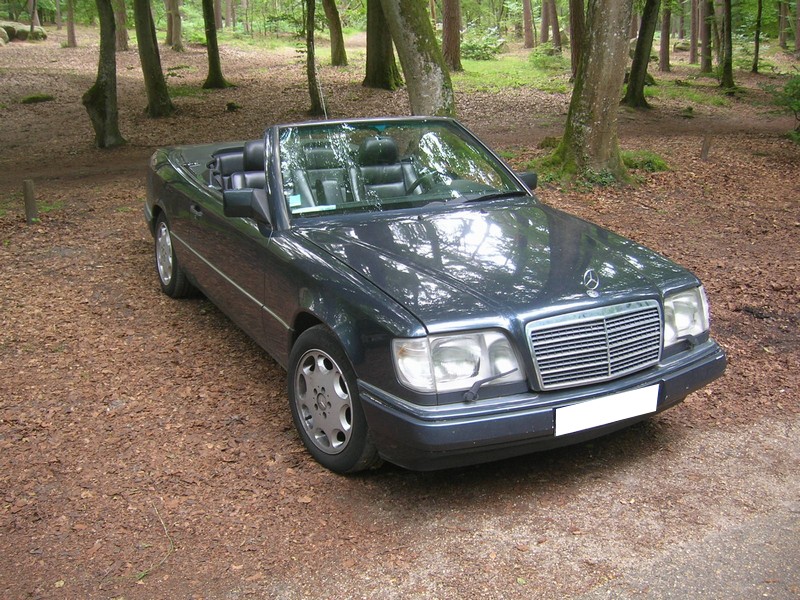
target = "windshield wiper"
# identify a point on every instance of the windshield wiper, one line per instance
(497, 195)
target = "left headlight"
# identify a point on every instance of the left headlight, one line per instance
(685, 315)
(447, 363)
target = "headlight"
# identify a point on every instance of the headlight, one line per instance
(446, 363)
(685, 315)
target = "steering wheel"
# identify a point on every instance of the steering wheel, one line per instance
(426, 176)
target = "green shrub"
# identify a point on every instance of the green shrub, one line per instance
(644, 160)
(485, 45)
(547, 58)
(789, 98)
(36, 98)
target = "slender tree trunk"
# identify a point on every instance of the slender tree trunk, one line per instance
(634, 95)
(33, 12)
(214, 80)
(694, 31)
(101, 99)
(782, 21)
(577, 32)
(338, 52)
(177, 25)
(590, 137)
(553, 12)
(229, 14)
(705, 35)
(634, 30)
(158, 101)
(682, 20)
(381, 68)
(218, 14)
(430, 91)
(121, 22)
(59, 23)
(663, 51)
(167, 10)
(544, 25)
(314, 91)
(451, 34)
(246, 19)
(72, 41)
(726, 81)
(527, 22)
(757, 40)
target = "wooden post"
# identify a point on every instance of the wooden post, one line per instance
(705, 148)
(31, 212)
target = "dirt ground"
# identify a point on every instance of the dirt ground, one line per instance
(146, 446)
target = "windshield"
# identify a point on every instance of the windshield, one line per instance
(375, 166)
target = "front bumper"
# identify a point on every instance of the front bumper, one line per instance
(427, 438)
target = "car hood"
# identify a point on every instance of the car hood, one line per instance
(487, 264)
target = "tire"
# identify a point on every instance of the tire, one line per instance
(171, 275)
(326, 410)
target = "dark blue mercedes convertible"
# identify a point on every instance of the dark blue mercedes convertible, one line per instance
(429, 310)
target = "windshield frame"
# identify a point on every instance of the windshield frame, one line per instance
(495, 165)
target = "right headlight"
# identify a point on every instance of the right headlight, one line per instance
(446, 363)
(685, 315)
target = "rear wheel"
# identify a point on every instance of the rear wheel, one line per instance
(326, 410)
(170, 274)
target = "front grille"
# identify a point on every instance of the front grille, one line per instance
(595, 345)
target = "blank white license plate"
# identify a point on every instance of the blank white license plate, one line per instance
(609, 409)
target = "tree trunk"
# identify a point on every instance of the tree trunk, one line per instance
(430, 91)
(245, 17)
(168, 14)
(663, 51)
(693, 31)
(797, 29)
(451, 34)
(59, 23)
(544, 26)
(682, 20)
(634, 30)
(72, 41)
(33, 12)
(757, 41)
(527, 22)
(121, 23)
(726, 81)
(314, 91)
(634, 95)
(338, 52)
(553, 12)
(214, 80)
(218, 14)
(782, 20)
(101, 99)
(706, 8)
(590, 136)
(229, 14)
(577, 32)
(158, 101)
(174, 19)
(381, 68)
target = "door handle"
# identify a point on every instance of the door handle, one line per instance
(196, 210)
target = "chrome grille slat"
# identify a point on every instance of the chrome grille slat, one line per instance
(595, 345)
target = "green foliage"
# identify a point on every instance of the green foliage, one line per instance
(708, 94)
(546, 58)
(482, 45)
(788, 99)
(508, 71)
(37, 98)
(644, 160)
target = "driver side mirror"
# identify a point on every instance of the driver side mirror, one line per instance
(530, 179)
(249, 203)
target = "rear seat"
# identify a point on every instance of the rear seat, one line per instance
(253, 173)
(232, 169)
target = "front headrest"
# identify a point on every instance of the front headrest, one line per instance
(321, 158)
(379, 150)
(254, 155)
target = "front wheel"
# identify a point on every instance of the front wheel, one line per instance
(170, 273)
(326, 410)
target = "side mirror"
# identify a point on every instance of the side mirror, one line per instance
(248, 203)
(530, 179)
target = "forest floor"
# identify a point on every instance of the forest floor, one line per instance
(146, 446)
